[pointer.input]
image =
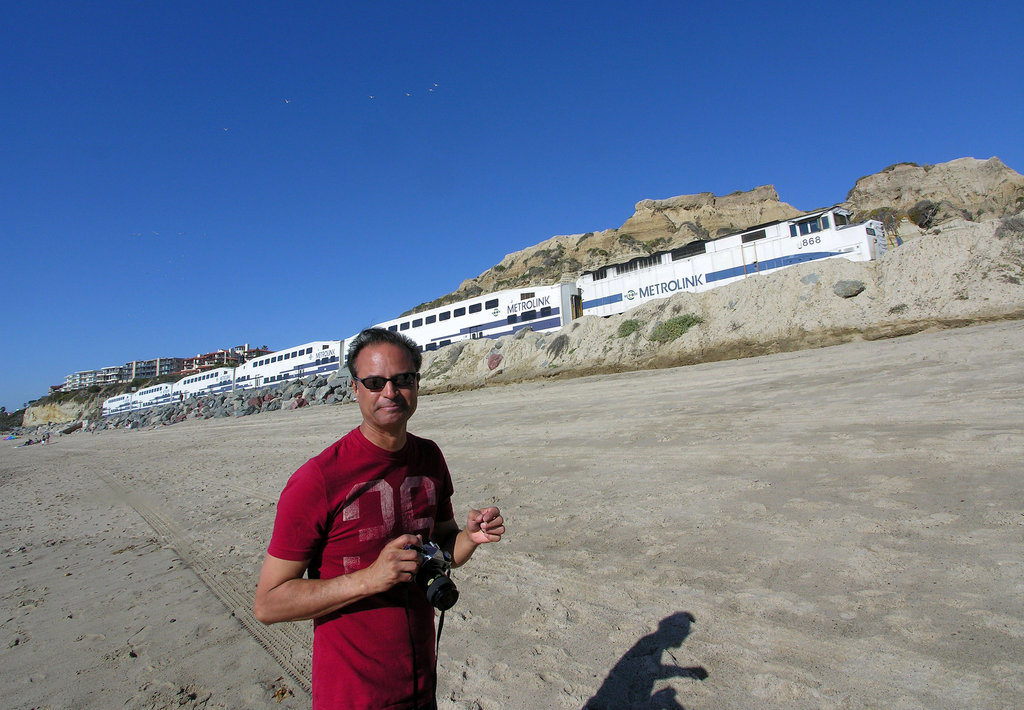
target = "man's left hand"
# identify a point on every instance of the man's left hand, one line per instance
(485, 525)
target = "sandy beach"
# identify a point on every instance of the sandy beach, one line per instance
(831, 528)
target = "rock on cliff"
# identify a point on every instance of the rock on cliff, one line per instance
(929, 195)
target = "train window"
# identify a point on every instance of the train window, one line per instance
(526, 296)
(637, 264)
(431, 346)
(511, 319)
(545, 311)
(444, 316)
(404, 326)
(444, 342)
(870, 231)
(393, 328)
(431, 319)
(753, 236)
(809, 227)
(841, 219)
(493, 303)
(417, 322)
(476, 308)
(824, 222)
(693, 248)
(528, 315)
(459, 312)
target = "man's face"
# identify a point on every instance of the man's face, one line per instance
(389, 409)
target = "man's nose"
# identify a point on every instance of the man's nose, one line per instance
(390, 390)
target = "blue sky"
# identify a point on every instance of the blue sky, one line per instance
(184, 176)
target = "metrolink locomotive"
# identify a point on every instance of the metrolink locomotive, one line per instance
(698, 266)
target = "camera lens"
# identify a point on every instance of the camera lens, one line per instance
(441, 592)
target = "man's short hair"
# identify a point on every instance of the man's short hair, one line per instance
(380, 336)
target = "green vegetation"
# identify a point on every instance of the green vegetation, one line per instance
(674, 327)
(889, 218)
(655, 244)
(628, 327)
(10, 420)
(923, 213)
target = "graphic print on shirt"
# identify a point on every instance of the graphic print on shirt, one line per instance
(417, 493)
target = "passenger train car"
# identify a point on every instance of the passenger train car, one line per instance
(612, 289)
(117, 405)
(154, 396)
(208, 382)
(707, 264)
(319, 357)
(492, 315)
(316, 358)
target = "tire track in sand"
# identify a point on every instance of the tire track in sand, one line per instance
(285, 642)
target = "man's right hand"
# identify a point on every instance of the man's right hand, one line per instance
(395, 563)
(283, 594)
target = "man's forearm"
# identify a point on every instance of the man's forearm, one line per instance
(301, 599)
(462, 548)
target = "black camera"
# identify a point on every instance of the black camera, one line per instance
(432, 575)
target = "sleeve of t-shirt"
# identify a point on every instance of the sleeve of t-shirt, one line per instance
(301, 519)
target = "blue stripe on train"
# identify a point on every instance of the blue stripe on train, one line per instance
(761, 267)
(733, 272)
(603, 301)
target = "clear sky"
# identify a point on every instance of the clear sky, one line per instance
(179, 177)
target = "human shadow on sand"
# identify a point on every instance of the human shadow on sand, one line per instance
(630, 683)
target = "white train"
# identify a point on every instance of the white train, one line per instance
(493, 315)
(707, 264)
(612, 289)
(319, 357)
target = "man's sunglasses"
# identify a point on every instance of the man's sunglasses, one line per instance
(375, 383)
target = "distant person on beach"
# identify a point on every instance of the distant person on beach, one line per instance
(348, 517)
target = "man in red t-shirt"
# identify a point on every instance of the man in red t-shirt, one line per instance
(348, 517)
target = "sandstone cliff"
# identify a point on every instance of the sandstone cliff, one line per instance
(61, 413)
(969, 189)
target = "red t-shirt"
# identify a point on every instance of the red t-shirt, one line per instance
(338, 511)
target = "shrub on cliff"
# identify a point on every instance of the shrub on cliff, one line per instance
(10, 420)
(674, 327)
(628, 327)
(923, 213)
